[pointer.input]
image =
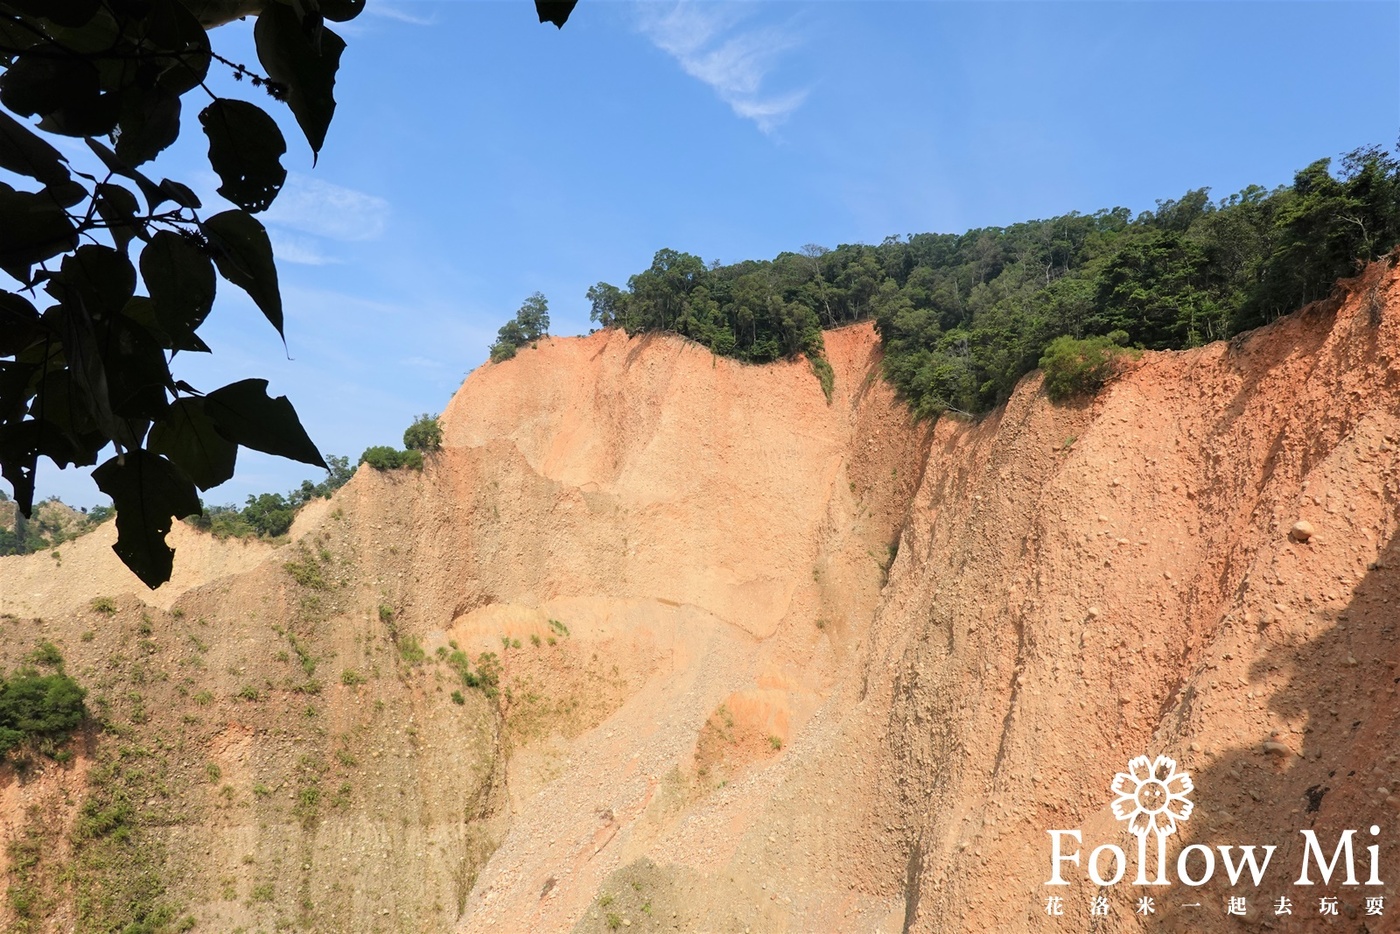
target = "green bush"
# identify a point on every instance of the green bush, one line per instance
(425, 434)
(825, 374)
(530, 323)
(383, 457)
(269, 514)
(1079, 367)
(34, 706)
(46, 654)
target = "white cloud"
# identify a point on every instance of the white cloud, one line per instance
(316, 207)
(294, 248)
(711, 44)
(398, 14)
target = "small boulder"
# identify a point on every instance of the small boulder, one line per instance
(1302, 531)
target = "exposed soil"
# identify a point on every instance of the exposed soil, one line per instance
(743, 659)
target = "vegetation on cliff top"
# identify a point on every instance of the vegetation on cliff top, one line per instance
(964, 316)
(530, 323)
(51, 524)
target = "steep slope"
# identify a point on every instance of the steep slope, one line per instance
(1077, 587)
(663, 560)
(664, 641)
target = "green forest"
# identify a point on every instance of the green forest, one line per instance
(964, 316)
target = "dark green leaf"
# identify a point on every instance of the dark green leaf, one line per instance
(18, 383)
(340, 11)
(150, 122)
(41, 82)
(66, 432)
(138, 375)
(171, 27)
(19, 454)
(94, 38)
(245, 414)
(143, 311)
(66, 193)
(117, 208)
(19, 324)
(149, 492)
(34, 230)
(180, 194)
(292, 58)
(181, 281)
(64, 12)
(186, 435)
(150, 190)
(243, 254)
(81, 349)
(24, 153)
(245, 149)
(101, 278)
(555, 11)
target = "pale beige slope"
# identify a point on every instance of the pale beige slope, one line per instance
(86, 567)
(671, 473)
(719, 531)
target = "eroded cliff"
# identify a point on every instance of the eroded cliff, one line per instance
(666, 641)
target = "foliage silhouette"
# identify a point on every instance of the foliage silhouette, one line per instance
(85, 361)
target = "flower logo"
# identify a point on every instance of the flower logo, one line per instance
(1152, 796)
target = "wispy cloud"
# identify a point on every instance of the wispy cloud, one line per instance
(399, 14)
(316, 207)
(294, 248)
(713, 44)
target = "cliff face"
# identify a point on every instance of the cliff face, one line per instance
(1077, 587)
(742, 658)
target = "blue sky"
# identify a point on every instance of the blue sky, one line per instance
(478, 156)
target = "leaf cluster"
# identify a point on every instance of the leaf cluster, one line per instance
(85, 360)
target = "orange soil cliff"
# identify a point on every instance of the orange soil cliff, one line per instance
(769, 662)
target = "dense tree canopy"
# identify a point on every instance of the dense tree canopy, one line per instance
(964, 316)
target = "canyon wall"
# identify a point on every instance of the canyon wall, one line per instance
(666, 641)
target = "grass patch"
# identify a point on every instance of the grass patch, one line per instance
(307, 571)
(411, 650)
